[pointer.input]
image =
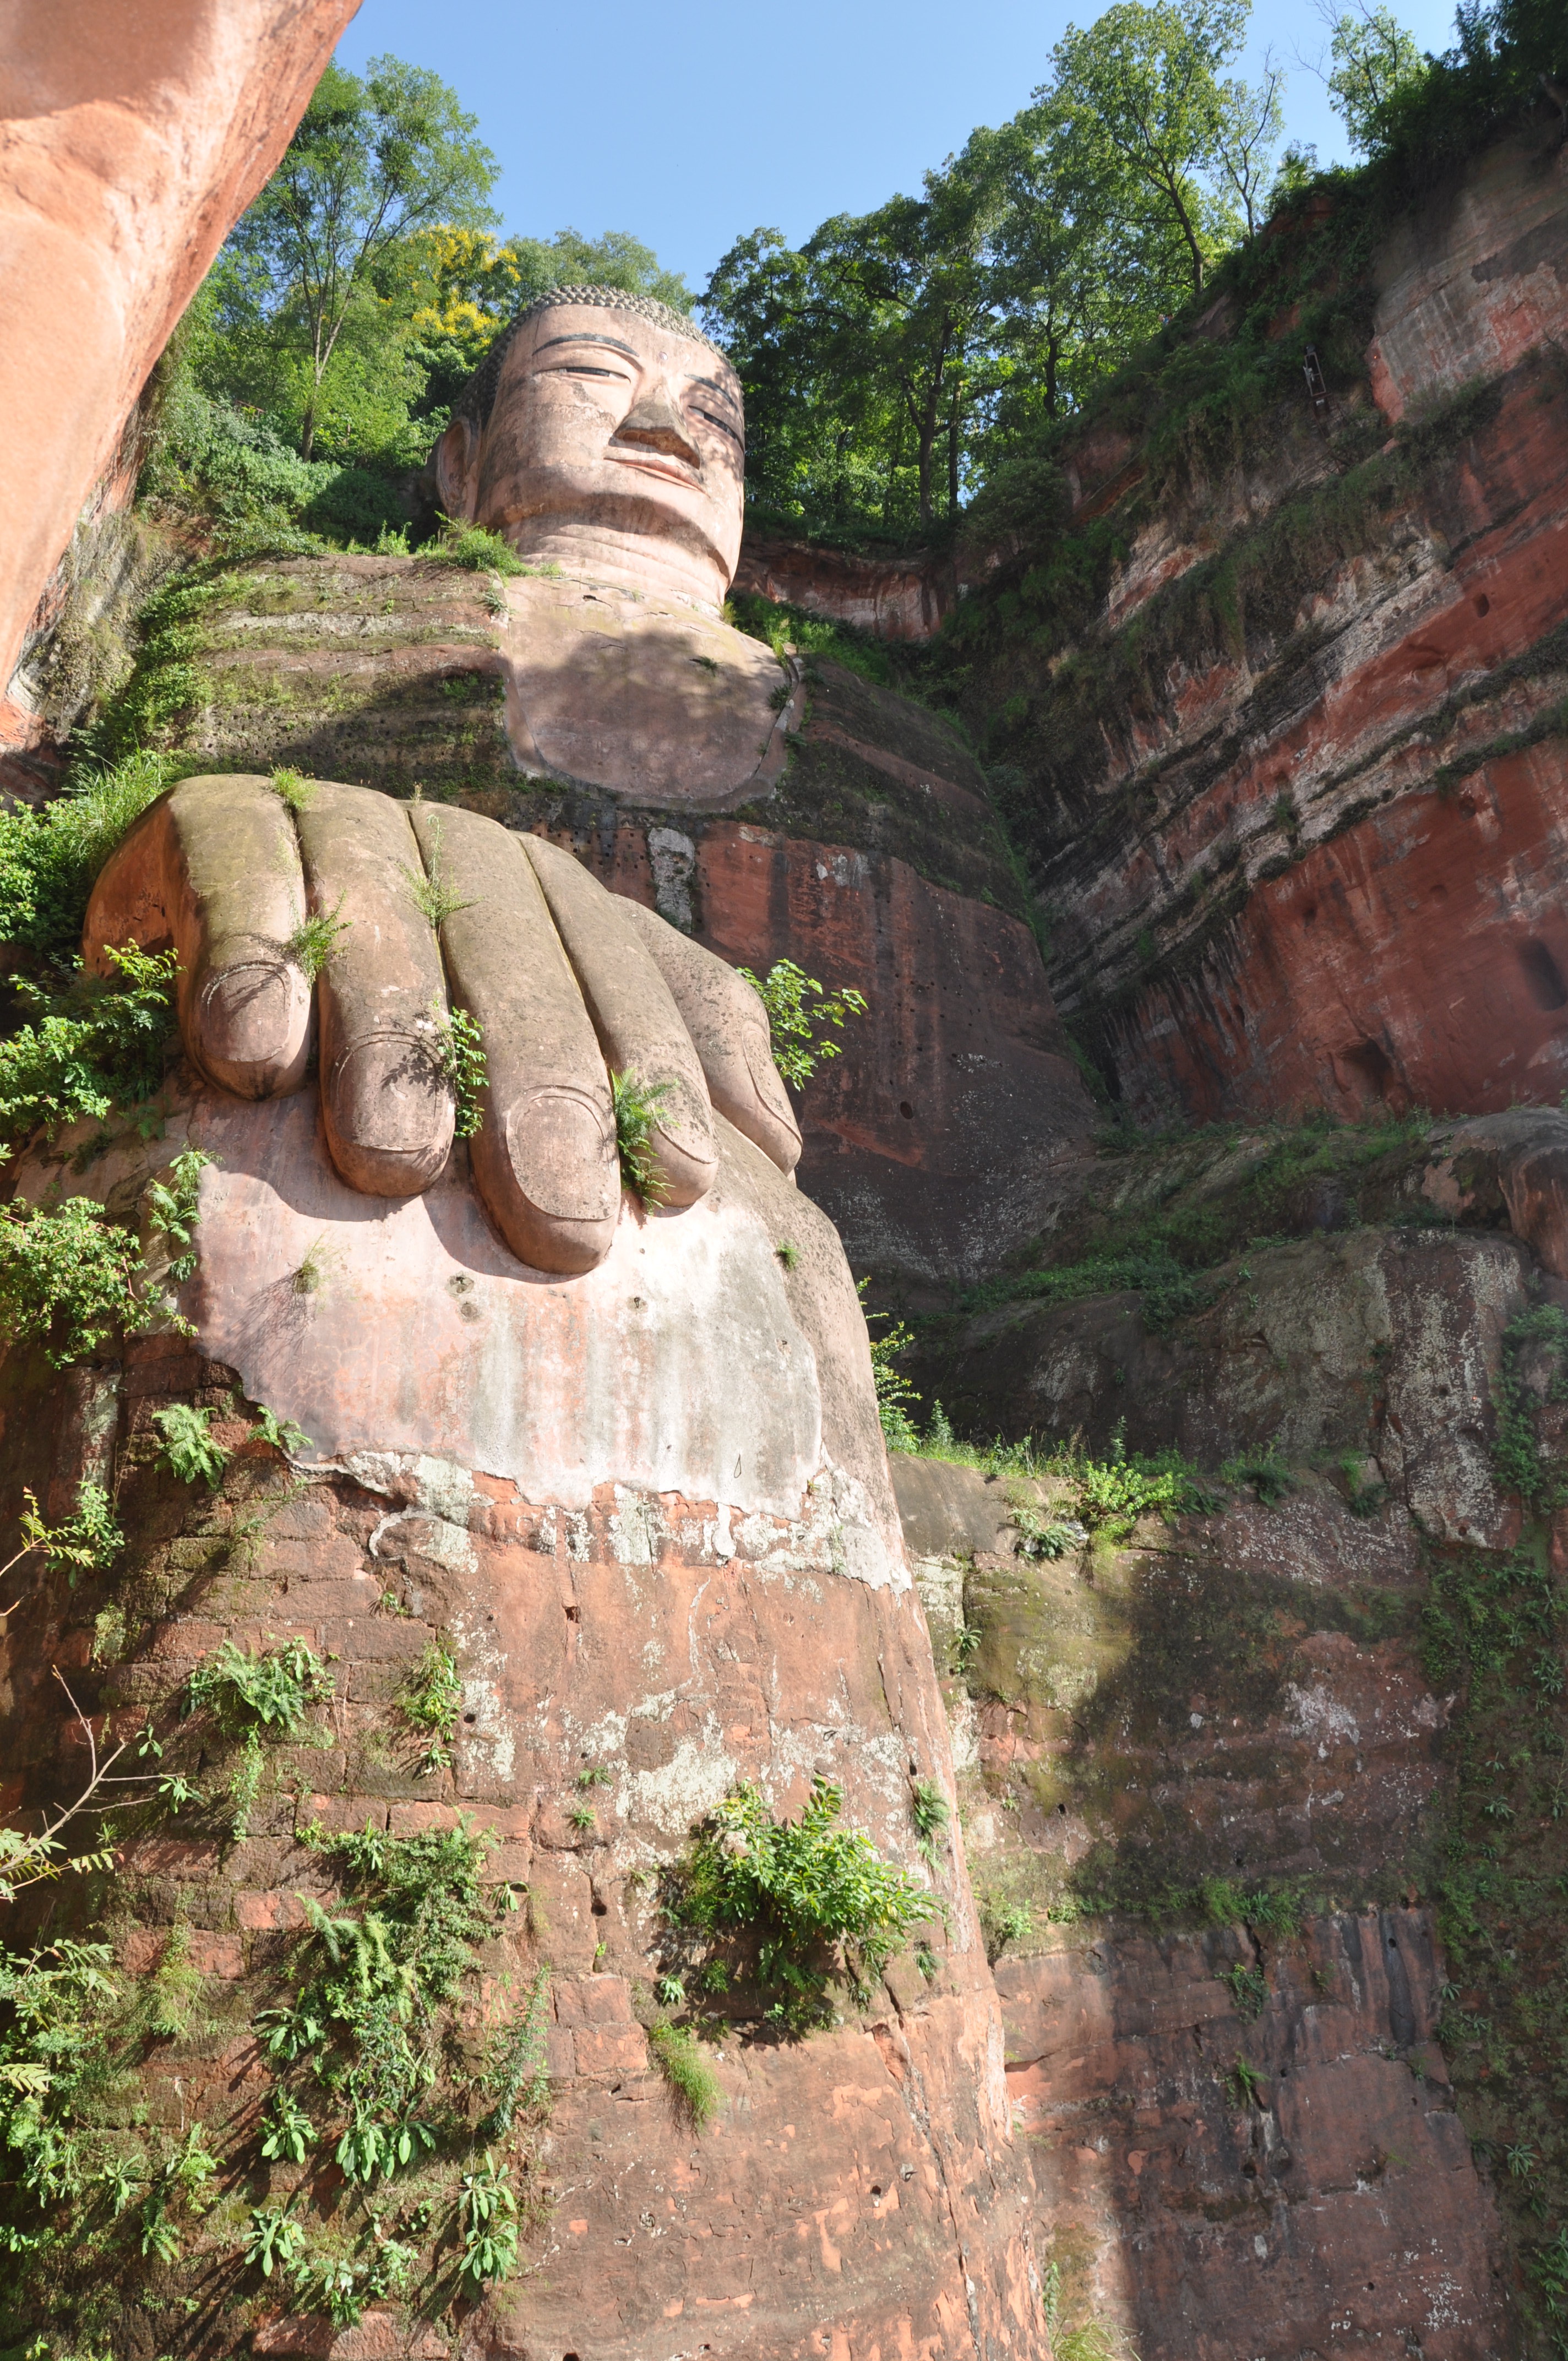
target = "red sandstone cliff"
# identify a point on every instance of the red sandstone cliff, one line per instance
(1294, 795)
(130, 141)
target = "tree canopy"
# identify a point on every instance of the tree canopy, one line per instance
(903, 368)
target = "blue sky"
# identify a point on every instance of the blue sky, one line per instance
(687, 123)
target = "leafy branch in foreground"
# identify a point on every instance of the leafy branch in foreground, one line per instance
(894, 1396)
(29, 1861)
(96, 1045)
(796, 1007)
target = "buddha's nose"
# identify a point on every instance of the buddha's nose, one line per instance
(656, 424)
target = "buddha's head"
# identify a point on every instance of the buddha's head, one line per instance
(603, 431)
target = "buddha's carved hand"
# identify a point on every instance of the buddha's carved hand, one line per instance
(435, 906)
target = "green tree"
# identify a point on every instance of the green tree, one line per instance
(1251, 123)
(1373, 61)
(1148, 77)
(864, 355)
(373, 160)
(468, 286)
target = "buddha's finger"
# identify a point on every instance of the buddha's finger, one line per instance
(730, 1031)
(544, 1156)
(387, 1104)
(212, 871)
(640, 1028)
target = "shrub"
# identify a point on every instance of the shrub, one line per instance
(1265, 1471)
(175, 1985)
(1002, 1923)
(678, 2057)
(429, 1701)
(49, 860)
(481, 551)
(487, 2217)
(68, 1279)
(189, 1449)
(805, 1887)
(272, 1691)
(90, 1048)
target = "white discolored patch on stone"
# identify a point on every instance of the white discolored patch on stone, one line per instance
(637, 1529)
(445, 1544)
(1316, 1713)
(686, 1788)
(671, 857)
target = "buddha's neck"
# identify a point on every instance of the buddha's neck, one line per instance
(627, 561)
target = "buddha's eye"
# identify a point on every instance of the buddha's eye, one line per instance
(711, 418)
(586, 369)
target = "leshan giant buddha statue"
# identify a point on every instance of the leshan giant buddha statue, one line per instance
(621, 1449)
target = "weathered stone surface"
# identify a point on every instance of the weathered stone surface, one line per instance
(1383, 1342)
(1337, 2211)
(860, 2180)
(664, 704)
(895, 598)
(130, 143)
(1241, 1701)
(1312, 853)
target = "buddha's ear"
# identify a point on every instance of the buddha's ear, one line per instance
(457, 471)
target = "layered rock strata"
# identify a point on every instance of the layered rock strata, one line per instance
(1293, 795)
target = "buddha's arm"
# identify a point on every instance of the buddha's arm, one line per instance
(397, 905)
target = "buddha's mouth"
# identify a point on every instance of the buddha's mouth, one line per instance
(658, 463)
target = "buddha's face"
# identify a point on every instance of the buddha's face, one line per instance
(614, 447)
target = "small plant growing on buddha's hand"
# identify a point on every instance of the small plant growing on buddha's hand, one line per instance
(292, 789)
(433, 896)
(460, 1056)
(691, 2081)
(638, 1107)
(797, 1006)
(314, 939)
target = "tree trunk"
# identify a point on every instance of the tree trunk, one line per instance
(953, 460)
